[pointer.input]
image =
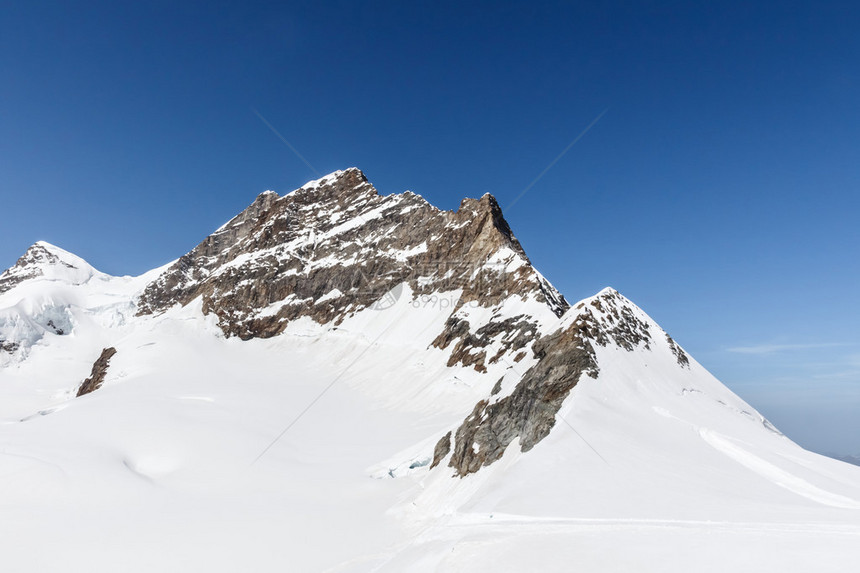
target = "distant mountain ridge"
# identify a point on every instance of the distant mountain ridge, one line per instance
(854, 460)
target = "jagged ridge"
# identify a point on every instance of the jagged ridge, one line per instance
(335, 247)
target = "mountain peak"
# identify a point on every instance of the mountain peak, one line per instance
(486, 202)
(42, 259)
(46, 251)
(336, 246)
(488, 205)
(346, 182)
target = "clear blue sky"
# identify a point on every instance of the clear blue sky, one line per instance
(719, 191)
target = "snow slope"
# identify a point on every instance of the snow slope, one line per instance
(311, 450)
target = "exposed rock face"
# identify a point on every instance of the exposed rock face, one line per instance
(614, 322)
(680, 355)
(564, 356)
(99, 371)
(335, 246)
(528, 413)
(8, 346)
(56, 329)
(516, 332)
(443, 447)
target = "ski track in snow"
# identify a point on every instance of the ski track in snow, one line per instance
(775, 474)
(765, 469)
(504, 521)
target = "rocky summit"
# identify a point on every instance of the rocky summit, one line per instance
(335, 247)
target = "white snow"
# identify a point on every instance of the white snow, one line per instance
(330, 295)
(650, 467)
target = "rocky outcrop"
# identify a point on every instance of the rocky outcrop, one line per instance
(513, 333)
(443, 447)
(8, 346)
(54, 328)
(99, 371)
(563, 357)
(680, 355)
(528, 413)
(606, 317)
(335, 247)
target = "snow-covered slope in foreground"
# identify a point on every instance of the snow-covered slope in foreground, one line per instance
(577, 437)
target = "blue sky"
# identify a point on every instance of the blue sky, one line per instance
(719, 190)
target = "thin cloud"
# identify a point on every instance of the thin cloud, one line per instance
(850, 375)
(774, 348)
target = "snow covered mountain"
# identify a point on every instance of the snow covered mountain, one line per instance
(344, 381)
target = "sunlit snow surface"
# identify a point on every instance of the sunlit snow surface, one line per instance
(650, 467)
